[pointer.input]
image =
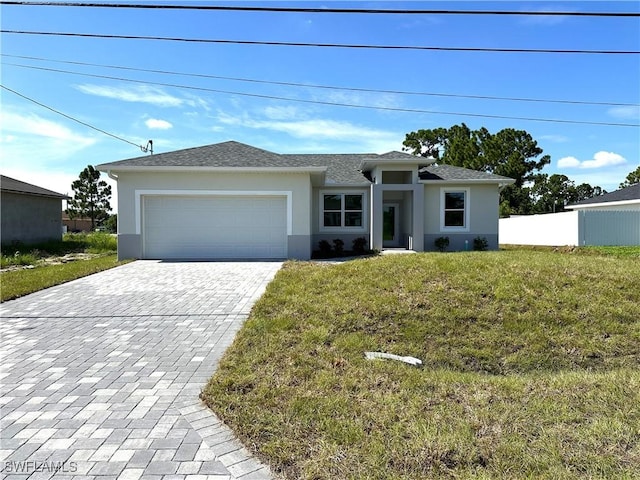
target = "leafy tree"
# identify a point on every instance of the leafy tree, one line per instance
(632, 178)
(111, 223)
(511, 153)
(91, 197)
(553, 193)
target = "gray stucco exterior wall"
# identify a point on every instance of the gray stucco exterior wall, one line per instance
(30, 218)
(129, 246)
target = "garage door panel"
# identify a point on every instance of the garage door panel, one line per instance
(215, 227)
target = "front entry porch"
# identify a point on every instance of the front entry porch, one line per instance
(397, 217)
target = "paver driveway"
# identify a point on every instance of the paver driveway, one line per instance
(101, 376)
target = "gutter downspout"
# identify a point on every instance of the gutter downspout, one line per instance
(112, 176)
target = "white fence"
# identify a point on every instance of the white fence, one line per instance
(572, 228)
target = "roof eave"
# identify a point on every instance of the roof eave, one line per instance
(604, 204)
(140, 168)
(499, 181)
(33, 194)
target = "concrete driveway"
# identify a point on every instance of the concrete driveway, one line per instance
(101, 376)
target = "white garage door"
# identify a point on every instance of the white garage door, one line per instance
(177, 227)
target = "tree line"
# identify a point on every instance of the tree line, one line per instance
(511, 153)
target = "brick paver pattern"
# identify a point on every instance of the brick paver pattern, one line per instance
(100, 376)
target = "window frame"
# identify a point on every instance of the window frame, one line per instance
(342, 227)
(443, 209)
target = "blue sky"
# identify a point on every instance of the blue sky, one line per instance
(49, 150)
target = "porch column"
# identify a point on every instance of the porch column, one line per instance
(375, 241)
(418, 218)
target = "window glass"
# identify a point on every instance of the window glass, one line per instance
(332, 219)
(343, 210)
(454, 218)
(353, 219)
(353, 202)
(332, 202)
(454, 200)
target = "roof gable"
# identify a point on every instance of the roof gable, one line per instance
(11, 185)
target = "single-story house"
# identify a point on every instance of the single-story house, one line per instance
(231, 200)
(609, 219)
(30, 214)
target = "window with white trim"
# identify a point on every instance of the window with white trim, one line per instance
(342, 210)
(455, 209)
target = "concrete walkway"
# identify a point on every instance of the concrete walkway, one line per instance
(101, 376)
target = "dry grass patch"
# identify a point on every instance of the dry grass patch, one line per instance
(531, 368)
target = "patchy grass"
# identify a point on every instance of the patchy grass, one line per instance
(22, 282)
(42, 273)
(530, 368)
(93, 243)
(616, 251)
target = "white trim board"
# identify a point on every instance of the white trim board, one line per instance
(213, 193)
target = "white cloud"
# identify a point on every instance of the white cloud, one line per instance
(546, 20)
(568, 162)
(554, 138)
(30, 138)
(137, 94)
(603, 159)
(358, 138)
(600, 159)
(627, 111)
(157, 124)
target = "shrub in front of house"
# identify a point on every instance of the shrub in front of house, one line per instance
(329, 250)
(480, 244)
(441, 243)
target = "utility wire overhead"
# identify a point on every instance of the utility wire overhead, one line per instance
(313, 85)
(336, 104)
(324, 45)
(320, 10)
(144, 149)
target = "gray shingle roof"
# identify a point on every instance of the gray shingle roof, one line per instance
(628, 193)
(341, 168)
(11, 185)
(449, 173)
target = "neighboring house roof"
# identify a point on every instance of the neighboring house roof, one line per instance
(11, 185)
(626, 195)
(343, 169)
(450, 173)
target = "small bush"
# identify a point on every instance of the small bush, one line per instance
(19, 258)
(99, 242)
(441, 243)
(480, 244)
(359, 245)
(338, 246)
(325, 247)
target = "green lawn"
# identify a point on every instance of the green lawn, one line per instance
(530, 368)
(42, 274)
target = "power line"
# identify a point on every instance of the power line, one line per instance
(324, 45)
(329, 87)
(144, 149)
(320, 102)
(320, 10)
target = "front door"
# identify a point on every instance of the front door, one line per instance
(391, 225)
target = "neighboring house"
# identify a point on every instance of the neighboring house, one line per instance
(627, 198)
(76, 224)
(30, 214)
(609, 219)
(232, 200)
